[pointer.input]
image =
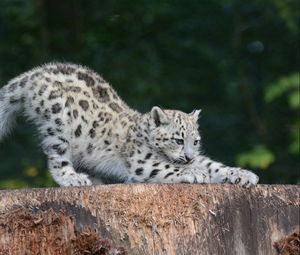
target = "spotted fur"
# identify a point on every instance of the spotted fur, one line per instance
(88, 132)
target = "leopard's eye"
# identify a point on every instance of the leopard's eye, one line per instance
(179, 141)
(196, 142)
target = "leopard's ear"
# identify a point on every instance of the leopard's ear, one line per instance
(195, 114)
(158, 116)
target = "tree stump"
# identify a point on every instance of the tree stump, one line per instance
(148, 219)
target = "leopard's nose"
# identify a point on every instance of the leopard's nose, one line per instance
(188, 159)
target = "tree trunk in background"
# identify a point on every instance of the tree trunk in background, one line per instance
(148, 219)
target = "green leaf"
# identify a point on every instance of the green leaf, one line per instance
(294, 99)
(258, 157)
(285, 84)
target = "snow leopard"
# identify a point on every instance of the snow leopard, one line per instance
(88, 132)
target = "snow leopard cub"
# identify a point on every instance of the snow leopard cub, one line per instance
(84, 124)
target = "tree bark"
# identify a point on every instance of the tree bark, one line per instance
(148, 219)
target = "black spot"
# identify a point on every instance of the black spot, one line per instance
(106, 142)
(90, 148)
(148, 156)
(225, 180)
(64, 69)
(50, 131)
(58, 149)
(209, 171)
(167, 166)
(103, 131)
(58, 121)
(13, 86)
(238, 180)
(167, 175)
(84, 104)
(208, 164)
(70, 100)
(78, 131)
(42, 103)
(246, 183)
(95, 106)
(100, 80)
(141, 161)
(47, 114)
(55, 94)
(74, 89)
(13, 100)
(139, 171)
(23, 82)
(154, 173)
(101, 94)
(63, 139)
(86, 94)
(36, 74)
(115, 107)
(56, 108)
(92, 133)
(85, 77)
(64, 163)
(42, 89)
(217, 170)
(95, 124)
(75, 114)
(83, 119)
(38, 110)
(156, 164)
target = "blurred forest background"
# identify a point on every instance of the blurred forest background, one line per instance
(236, 60)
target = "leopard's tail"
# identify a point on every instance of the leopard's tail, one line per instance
(11, 102)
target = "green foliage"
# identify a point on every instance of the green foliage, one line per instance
(288, 87)
(288, 84)
(220, 56)
(259, 157)
(31, 177)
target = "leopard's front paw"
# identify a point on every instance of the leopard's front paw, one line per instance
(244, 178)
(194, 178)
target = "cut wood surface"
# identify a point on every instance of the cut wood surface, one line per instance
(148, 219)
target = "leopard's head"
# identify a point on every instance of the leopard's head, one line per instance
(174, 134)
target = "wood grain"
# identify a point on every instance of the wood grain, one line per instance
(148, 219)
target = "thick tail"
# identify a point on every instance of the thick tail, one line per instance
(10, 104)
